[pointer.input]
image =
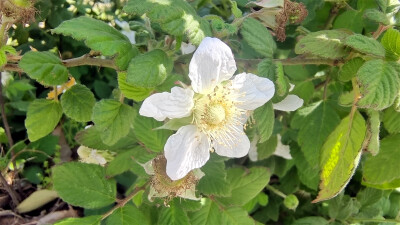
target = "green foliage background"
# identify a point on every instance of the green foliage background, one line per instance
(342, 56)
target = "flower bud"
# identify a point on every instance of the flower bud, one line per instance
(291, 202)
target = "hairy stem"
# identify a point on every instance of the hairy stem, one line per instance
(122, 202)
(276, 191)
(84, 60)
(364, 220)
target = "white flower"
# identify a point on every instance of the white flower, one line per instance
(126, 30)
(218, 105)
(5, 78)
(187, 48)
(93, 156)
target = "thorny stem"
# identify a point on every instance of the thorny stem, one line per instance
(84, 60)
(357, 220)
(14, 196)
(121, 203)
(276, 191)
(326, 86)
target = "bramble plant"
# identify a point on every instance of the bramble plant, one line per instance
(200, 112)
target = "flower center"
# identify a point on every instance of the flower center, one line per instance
(215, 114)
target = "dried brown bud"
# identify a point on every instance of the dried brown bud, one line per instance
(19, 11)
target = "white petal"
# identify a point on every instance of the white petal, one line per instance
(282, 150)
(123, 24)
(291, 87)
(130, 34)
(253, 154)
(253, 91)
(187, 48)
(177, 104)
(239, 148)
(290, 103)
(186, 150)
(212, 63)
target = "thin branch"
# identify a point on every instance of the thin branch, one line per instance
(276, 191)
(332, 15)
(4, 117)
(299, 60)
(122, 202)
(84, 60)
(14, 196)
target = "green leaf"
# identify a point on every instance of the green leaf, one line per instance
(369, 196)
(319, 120)
(44, 147)
(281, 82)
(266, 68)
(326, 44)
(340, 156)
(267, 148)
(312, 220)
(127, 159)
(113, 119)
(391, 43)
(265, 118)
(177, 19)
(214, 182)
(379, 84)
(101, 37)
(91, 138)
(77, 103)
(350, 69)
(84, 185)
(149, 70)
(350, 19)
(3, 56)
(342, 207)
(131, 91)
(376, 16)
(42, 117)
(245, 185)
(145, 133)
(308, 175)
(44, 67)
(211, 214)
(373, 127)
(258, 37)
(391, 120)
(127, 215)
(365, 45)
(384, 168)
(89, 220)
(173, 215)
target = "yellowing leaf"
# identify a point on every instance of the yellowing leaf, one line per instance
(340, 156)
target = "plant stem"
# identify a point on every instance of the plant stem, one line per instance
(379, 31)
(14, 196)
(4, 117)
(276, 191)
(122, 202)
(85, 60)
(332, 15)
(298, 61)
(356, 220)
